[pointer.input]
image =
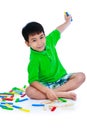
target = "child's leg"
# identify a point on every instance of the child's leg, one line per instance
(73, 83)
(35, 94)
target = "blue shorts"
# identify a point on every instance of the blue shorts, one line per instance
(60, 82)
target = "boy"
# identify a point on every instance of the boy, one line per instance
(47, 77)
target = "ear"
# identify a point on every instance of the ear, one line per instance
(27, 43)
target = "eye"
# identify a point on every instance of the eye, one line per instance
(41, 37)
(34, 40)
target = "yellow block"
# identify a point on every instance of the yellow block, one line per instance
(25, 110)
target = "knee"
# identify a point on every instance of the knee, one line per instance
(29, 92)
(81, 77)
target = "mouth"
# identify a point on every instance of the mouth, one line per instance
(41, 47)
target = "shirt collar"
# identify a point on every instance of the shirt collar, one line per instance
(40, 52)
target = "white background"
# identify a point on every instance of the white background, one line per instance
(14, 54)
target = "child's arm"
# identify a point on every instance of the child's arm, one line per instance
(48, 92)
(67, 22)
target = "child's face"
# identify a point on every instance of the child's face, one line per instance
(37, 42)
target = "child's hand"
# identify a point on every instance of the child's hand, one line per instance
(51, 95)
(68, 17)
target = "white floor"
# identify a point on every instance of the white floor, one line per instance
(63, 118)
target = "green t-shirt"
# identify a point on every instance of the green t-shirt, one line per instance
(45, 66)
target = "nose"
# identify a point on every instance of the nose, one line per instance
(39, 42)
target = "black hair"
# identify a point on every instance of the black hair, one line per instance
(31, 29)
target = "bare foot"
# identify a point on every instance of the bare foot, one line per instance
(69, 95)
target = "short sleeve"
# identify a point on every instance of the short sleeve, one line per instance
(53, 37)
(33, 71)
